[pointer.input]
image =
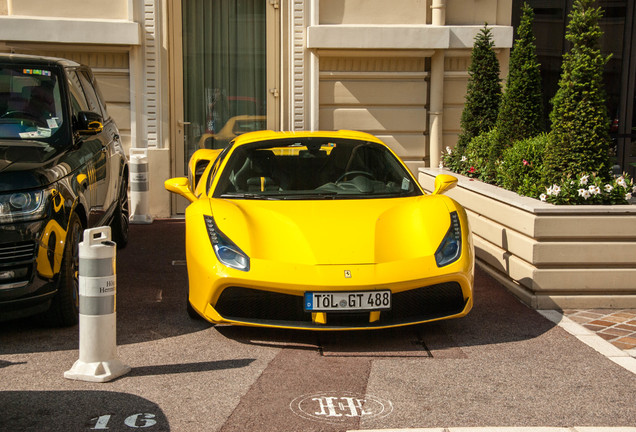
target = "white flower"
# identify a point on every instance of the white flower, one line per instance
(584, 179)
(464, 158)
(608, 188)
(448, 150)
(553, 190)
(595, 190)
(441, 164)
(628, 196)
(543, 197)
(621, 181)
(584, 193)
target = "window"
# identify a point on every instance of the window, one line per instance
(94, 101)
(78, 102)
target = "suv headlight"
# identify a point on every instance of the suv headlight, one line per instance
(19, 206)
(226, 251)
(450, 248)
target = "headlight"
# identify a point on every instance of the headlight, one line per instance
(226, 251)
(18, 206)
(451, 247)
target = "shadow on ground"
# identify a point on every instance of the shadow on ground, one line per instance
(75, 411)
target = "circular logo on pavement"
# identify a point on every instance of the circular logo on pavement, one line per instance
(337, 407)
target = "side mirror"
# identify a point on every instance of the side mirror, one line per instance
(443, 183)
(180, 186)
(88, 123)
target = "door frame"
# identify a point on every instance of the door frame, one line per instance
(178, 124)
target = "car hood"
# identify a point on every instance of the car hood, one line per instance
(333, 232)
(29, 164)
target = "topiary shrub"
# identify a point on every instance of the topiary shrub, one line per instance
(579, 139)
(483, 91)
(521, 110)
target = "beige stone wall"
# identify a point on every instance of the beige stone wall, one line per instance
(91, 9)
(349, 35)
(374, 12)
(385, 96)
(458, 12)
(478, 12)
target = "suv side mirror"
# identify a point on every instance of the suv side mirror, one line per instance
(88, 123)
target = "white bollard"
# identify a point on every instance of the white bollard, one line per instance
(98, 360)
(139, 186)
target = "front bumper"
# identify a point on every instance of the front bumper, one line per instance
(27, 276)
(246, 306)
(271, 294)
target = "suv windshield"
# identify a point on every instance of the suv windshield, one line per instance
(314, 168)
(30, 103)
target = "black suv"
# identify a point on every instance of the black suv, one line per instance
(62, 169)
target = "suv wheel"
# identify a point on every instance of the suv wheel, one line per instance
(121, 218)
(65, 305)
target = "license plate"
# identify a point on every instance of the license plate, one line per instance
(347, 301)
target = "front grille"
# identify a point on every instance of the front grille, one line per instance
(17, 253)
(420, 304)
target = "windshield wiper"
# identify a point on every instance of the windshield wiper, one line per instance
(316, 196)
(249, 195)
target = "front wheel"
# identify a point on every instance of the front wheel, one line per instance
(64, 309)
(121, 219)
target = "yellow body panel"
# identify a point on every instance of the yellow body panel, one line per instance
(298, 246)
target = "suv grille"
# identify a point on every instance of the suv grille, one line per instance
(17, 253)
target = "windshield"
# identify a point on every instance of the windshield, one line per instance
(314, 168)
(30, 103)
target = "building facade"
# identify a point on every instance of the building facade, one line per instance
(179, 75)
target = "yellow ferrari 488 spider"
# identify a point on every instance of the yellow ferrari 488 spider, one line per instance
(322, 231)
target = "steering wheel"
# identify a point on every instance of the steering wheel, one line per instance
(364, 173)
(23, 114)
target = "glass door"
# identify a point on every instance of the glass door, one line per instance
(225, 72)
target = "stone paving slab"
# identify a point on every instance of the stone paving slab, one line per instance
(617, 326)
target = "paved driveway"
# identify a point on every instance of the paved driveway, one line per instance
(502, 365)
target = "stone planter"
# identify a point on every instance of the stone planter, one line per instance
(551, 257)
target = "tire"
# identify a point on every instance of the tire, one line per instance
(121, 219)
(64, 309)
